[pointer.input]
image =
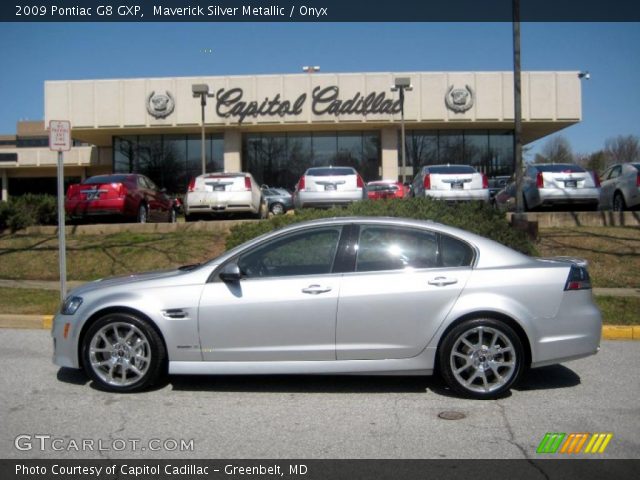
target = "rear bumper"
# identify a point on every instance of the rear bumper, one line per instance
(116, 206)
(327, 199)
(218, 202)
(479, 195)
(554, 196)
(574, 333)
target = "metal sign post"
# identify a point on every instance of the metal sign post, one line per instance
(60, 141)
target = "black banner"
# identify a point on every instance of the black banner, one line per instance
(300, 469)
(317, 11)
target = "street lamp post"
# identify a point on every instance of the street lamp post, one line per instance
(202, 90)
(401, 85)
(517, 104)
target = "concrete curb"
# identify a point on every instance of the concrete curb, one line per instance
(609, 332)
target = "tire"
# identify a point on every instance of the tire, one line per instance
(262, 212)
(123, 353)
(619, 204)
(473, 367)
(277, 208)
(143, 214)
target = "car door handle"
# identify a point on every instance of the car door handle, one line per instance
(316, 289)
(442, 281)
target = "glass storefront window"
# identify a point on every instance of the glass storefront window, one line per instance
(489, 151)
(279, 160)
(169, 160)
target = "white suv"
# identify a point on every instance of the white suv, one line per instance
(451, 182)
(323, 187)
(221, 193)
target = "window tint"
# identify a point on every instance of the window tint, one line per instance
(105, 179)
(307, 253)
(615, 172)
(386, 248)
(560, 168)
(455, 253)
(328, 172)
(452, 169)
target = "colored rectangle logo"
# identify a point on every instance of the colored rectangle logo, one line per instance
(574, 443)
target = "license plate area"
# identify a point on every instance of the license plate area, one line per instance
(457, 186)
(93, 195)
(218, 188)
(570, 184)
(330, 187)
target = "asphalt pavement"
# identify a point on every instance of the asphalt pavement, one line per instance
(48, 412)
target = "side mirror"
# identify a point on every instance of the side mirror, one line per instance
(230, 273)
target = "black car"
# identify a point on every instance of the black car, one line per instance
(279, 200)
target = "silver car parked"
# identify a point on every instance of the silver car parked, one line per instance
(322, 187)
(337, 296)
(552, 184)
(452, 183)
(620, 187)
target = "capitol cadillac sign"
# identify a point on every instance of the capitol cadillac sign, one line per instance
(230, 103)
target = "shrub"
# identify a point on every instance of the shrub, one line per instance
(471, 216)
(22, 212)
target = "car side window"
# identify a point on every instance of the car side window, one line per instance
(385, 248)
(615, 172)
(307, 253)
(454, 252)
(142, 183)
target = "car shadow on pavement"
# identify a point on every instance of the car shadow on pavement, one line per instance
(548, 378)
(302, 383)
(72, 376)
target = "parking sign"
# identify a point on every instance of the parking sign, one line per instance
(60, 135)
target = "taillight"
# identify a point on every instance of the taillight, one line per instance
(539, 180)
(485, 181)
(596, 178)
(638, 180)
(427, 181)
(301, 183)
(578, 279)
(192, 185)
(122, 190)
(247, 183)
(359, 182)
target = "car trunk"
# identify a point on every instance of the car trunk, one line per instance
(461, 181)
(96, 191)
(330, 183)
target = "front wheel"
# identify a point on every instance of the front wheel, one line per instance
(142, 214)
(277, 208)
(122, 353)
(481, 358)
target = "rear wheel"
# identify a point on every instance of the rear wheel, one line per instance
(619, 203)
(123, 353)
(481, 358)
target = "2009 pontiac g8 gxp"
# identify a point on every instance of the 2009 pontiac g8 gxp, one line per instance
(348, 295)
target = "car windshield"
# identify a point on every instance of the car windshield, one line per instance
(560, 168)
(330, 171)
(105, 179)
(452, 169)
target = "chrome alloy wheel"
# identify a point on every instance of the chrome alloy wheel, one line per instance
(483, 359)
(120, 354)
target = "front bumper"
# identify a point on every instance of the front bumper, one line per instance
(65, 350)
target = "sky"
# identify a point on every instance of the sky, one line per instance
(33, 53)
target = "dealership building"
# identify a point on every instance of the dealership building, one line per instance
(276, 126)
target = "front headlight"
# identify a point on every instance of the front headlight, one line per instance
(71, 305)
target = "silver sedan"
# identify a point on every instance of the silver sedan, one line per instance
(337, 296)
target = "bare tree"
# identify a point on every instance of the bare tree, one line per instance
(623, 149)
(556, 150)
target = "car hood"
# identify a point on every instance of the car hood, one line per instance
(121, 280)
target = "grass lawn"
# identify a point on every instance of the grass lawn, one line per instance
(35, 257)
(613, 252)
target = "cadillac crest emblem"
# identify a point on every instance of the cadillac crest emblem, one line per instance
(160, 105)
(459, 100)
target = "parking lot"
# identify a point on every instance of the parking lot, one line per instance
(309, 417)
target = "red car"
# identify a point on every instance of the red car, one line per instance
(128, 195)
(385, 189)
